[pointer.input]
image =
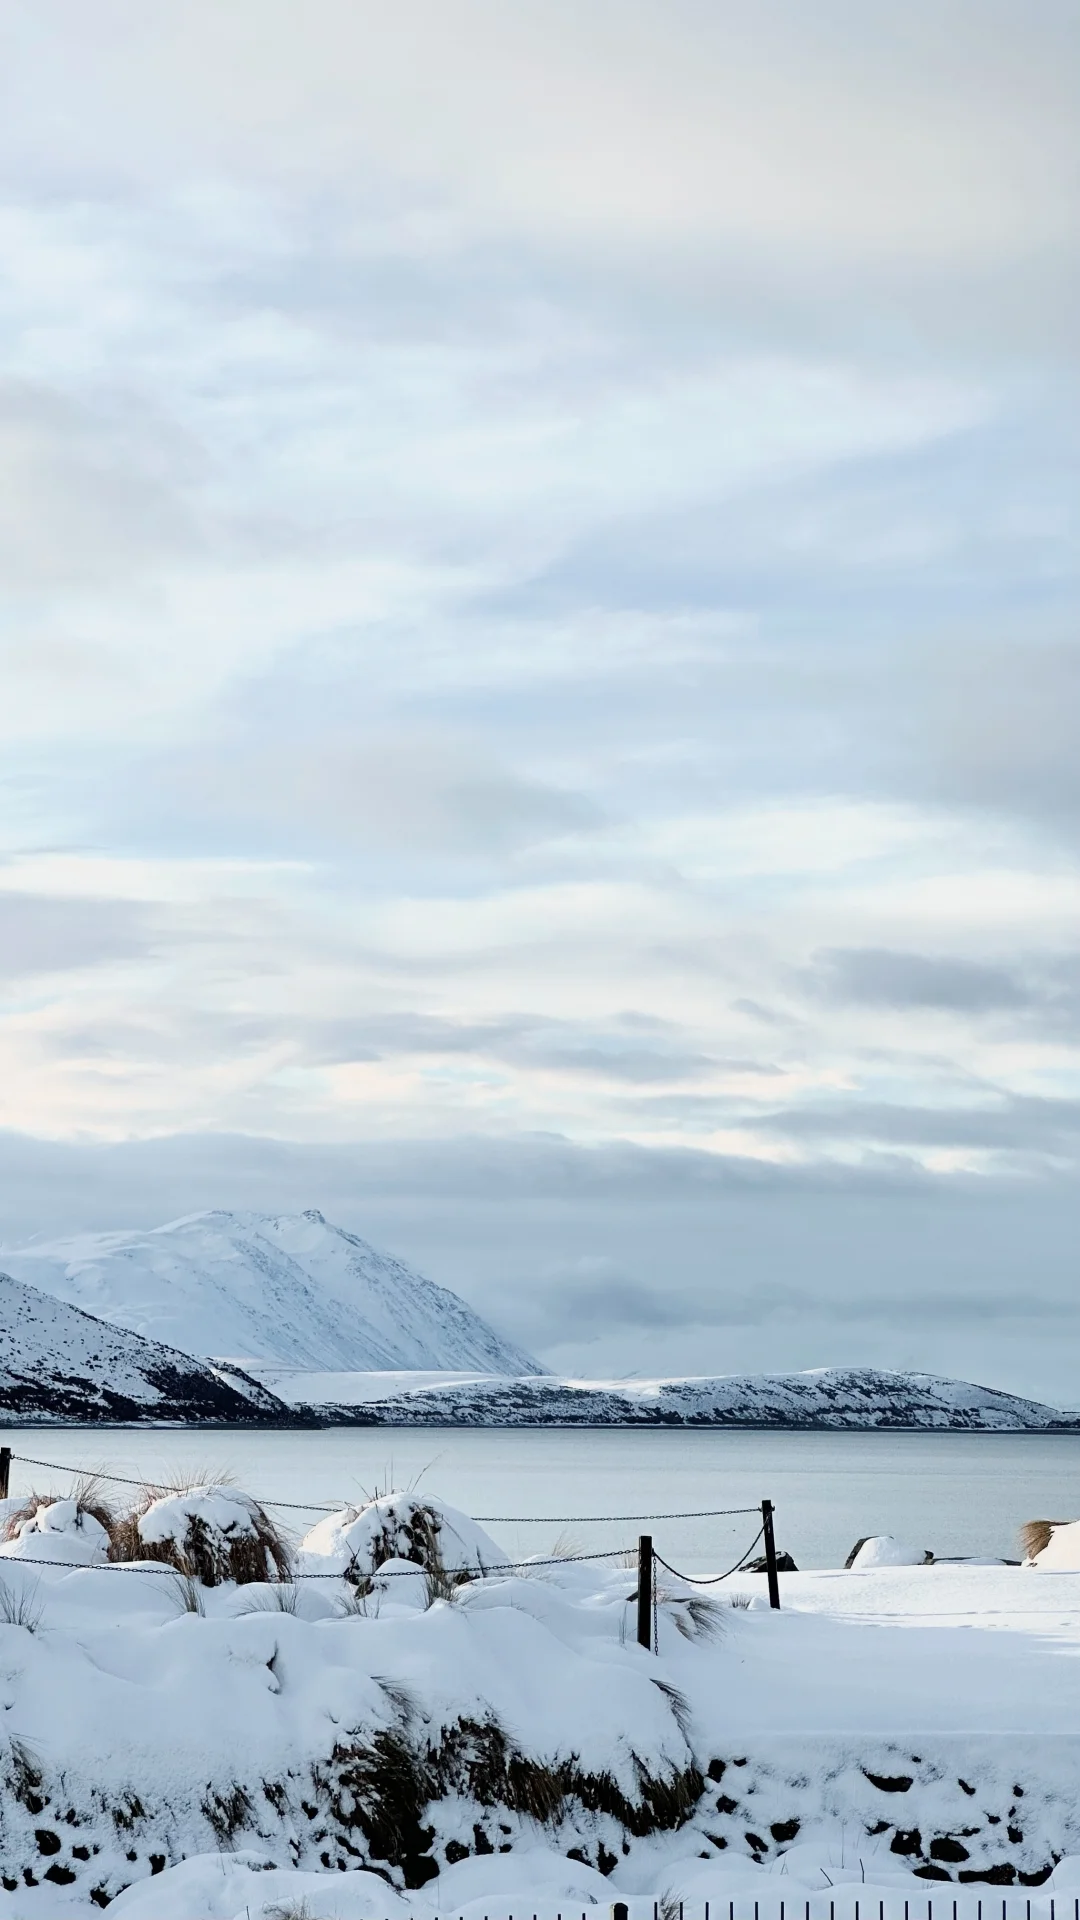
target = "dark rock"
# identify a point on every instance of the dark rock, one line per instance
(946, 1848)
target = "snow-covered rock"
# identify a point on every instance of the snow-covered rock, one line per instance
(883, 1550)
(59, 1363)
(830, 1397)
(401, 1527)
(290, 1288)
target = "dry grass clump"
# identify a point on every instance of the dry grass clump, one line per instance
(86, 1494)
(1035, 1535)
(697, 1616)
(18, 1608)
(207, 1553)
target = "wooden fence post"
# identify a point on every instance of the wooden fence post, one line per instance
(644, 1591)
(770, 1554)
(5, 1471)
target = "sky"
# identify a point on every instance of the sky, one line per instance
(539, 675)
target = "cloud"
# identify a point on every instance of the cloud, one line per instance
(880, 977)
(40, 934)
(1015, 1124)
(410, 794)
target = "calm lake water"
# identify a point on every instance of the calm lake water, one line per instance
(955, 1493)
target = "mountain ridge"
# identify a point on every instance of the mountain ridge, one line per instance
(60, 1364)
(287, 1288)
(852, 1399)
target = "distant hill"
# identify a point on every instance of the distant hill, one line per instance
(851, 1398)
(59, 1364)
(289, 1288)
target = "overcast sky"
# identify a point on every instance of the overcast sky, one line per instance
(539, 677)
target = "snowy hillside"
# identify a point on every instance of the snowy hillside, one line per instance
(851, 1397)
(290, 1288)
(58, 1363)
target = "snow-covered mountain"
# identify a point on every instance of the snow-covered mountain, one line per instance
(290, 1288)
(855, 1398)
(58, 1363)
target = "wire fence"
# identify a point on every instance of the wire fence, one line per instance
(317, 1506)
(642, 1550)
(840, 1903)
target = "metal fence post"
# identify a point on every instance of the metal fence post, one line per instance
(770, 1554)
(644, 1590)
(5, 1471)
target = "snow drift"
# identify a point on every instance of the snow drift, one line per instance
(290, 1288)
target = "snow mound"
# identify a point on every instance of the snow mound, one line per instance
(1062, 1551)
(290, 1288)
(423, 1531)
(58, 1530)
(883, 1550)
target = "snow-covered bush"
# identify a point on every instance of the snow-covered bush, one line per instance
(77, 1529)
(399, 1526)
(208, 1533)
(883, 1550)
(1052, 1545)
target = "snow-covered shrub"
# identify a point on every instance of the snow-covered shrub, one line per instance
(1053, 1545)
(77, 1529)
(208, 1533)
(883, 1550)
(426, 1532)
(1035, 1537)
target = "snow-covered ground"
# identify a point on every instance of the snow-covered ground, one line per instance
(886, 1725)
(290, 1288)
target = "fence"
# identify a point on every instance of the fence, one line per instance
(966, 1905)
(648, 1559)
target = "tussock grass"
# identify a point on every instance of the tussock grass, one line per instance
(696, 1616)
(206, 1553)
(1035, 1535)
(284, 1598)
(20, 1608)
(187, 1594)
(87, 1495)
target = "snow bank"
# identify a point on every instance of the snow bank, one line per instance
(423, 1530)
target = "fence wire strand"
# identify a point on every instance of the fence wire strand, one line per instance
(487, 1519)
(716, 1578)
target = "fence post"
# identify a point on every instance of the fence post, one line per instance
(770, 1554)
(5, 1471)
(644, 1591)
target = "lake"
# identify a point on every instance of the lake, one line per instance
(956, 1493)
